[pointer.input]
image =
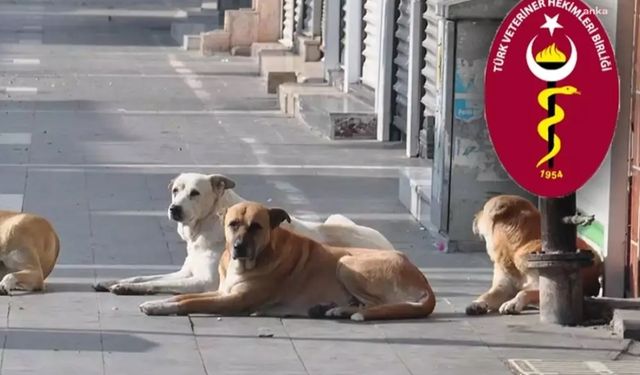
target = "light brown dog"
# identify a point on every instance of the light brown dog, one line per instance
(29, 248)
(267, 270)
(510, 226)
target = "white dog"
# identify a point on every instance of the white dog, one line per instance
(197, 203)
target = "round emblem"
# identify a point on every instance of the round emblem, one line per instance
(551, 95)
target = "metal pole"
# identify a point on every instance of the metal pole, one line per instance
(560, 284)
(559, 262)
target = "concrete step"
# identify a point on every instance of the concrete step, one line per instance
(279, 68)
(626, 323)
(180, 29)
(214, 41)
(273, 49)
(414, 191)
(363, 93)
(288, 95)
(193, 22)
(338, 117)
(414, 188)
(309, 48)
(191, 42)
(277, 62)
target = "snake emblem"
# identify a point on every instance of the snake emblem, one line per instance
(545, 124)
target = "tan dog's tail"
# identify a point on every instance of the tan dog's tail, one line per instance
(54, 253)
(403, 310)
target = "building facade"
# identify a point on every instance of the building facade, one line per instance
(413, 71)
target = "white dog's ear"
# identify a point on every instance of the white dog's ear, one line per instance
(474, 225)
(220, 181)
(221, 215)
(170, 186)
(277, 216)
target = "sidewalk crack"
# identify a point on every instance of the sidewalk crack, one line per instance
(195, 338)
(623, 351)
(293, 345)
(6, 337)
(393, 350)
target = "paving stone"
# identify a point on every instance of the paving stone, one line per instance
(233, 346)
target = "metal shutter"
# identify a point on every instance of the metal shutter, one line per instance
(298, 16)
(371, 42)
(401, 65)
(288, 22)
(343, 30)
(323, 25)
(308, 16)
(312, 17)
(429, 72)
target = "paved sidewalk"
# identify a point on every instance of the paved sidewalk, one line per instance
(99, 116)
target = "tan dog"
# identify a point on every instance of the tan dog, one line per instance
(510, 226)
(29, 248)
(271, 271)
(196, 202)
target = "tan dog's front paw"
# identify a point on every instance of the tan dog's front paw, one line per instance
(338, 312)
(162, 307)
(511, 307)
(8, 283)
(477, 308)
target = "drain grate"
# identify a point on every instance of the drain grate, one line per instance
(564, 367)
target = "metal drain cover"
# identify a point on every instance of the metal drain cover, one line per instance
(564, 367)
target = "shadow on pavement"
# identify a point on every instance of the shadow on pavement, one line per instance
(74, 340)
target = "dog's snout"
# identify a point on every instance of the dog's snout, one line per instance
(175, 212)
(239, 249)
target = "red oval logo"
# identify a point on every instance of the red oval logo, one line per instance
(551, 95)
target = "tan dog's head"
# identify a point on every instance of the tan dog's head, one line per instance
(248, 226)
(195, 195)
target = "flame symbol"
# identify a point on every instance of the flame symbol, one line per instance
(551, 54)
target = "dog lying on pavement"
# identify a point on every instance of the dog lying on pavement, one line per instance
(197, 201)
(270, 271)
(510, 226)
(29, 249)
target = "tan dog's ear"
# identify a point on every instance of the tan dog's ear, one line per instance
(220, 181)
(277, 216)
(170, 186)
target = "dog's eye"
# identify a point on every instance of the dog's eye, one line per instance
(255, 226)
(234, 224)
(174, 191)
(194, 193)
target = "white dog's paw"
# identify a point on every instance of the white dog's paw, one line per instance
(511, 307)
(357, 317)
(161, 307)
(103, 286)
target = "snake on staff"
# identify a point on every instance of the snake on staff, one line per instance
(545, 124)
